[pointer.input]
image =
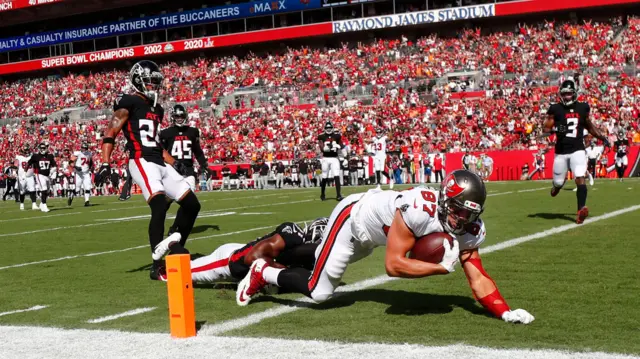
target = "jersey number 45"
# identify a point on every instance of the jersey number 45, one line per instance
(181, 150)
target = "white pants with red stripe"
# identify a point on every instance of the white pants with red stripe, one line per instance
(215, 266)
(84, 180)
(153, 178)
(336, 251)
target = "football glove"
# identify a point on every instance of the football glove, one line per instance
(518, 316)
(451, 254)
(180, 167)
(103, 172)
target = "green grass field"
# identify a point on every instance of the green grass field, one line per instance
(581, 284)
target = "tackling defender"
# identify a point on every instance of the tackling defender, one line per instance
(139, 117)
(568, 119)
(364, 221)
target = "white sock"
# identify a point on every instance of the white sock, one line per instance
(270, 274)
(86, 197)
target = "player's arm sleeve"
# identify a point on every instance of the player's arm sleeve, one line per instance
(291, 234)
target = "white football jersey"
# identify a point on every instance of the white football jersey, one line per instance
(380, 146)
(593, 153)
(23, 165)
(83, 160)
(373, 213)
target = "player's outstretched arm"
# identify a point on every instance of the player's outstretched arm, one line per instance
(116, 124)
(400, 241)
(486, 292)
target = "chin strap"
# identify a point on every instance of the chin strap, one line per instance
(492, 302)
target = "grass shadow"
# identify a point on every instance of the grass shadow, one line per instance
(204, 228)
(564, 216)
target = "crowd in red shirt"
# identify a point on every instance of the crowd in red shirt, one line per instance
(520, 72)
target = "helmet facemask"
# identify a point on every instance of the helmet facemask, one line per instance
(179, 116)
(314, 231)
(43, 148)
(455, 216)
(147, 81)
(568, 93)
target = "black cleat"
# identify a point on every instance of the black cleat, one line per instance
(339, 198)
(322, 198)
(158, 272)
(87, 204)
(69, 200)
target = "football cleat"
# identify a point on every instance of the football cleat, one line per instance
(322, 198)
(378, 188)
(158, 272)
(35, 207)
(252, 283)
(339, 198)
(554, 191)
(87, 204)
(583, 213)
(163, 247)
(22, 206)
(391, 184)
(44, 208)
(69, 201)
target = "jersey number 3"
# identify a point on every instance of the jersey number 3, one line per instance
(181, 150)
(572, 125)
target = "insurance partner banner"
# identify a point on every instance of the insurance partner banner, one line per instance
(187, 18)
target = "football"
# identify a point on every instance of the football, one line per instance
(429, 248)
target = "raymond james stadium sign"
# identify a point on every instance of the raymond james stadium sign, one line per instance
(414, 18)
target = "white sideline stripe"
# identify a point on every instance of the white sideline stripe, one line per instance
(205, 215)
(35, 307)
(127, 249)
(128, 313)
(18, 343)
(225, 326)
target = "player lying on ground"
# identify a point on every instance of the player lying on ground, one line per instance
(362, 222)
(287, 246)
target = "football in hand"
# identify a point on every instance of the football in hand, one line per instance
(429, 248)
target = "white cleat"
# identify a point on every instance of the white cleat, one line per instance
(22, 206)
(378, 188)
(44, 208)
(391, 185)
(35, 207)
(163, 247)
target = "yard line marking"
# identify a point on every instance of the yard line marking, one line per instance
(18, 343)
(128, 313)
(130, 248)
(126, 219)
(35, 307)
(225, 326)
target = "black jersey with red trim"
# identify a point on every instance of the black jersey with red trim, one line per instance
(292, 235)
(621, 147)
(183, 144)
(142, 127)
(330, 143)
(574, 118)
(71, 179)
(42, 164)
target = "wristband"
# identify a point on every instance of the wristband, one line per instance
(108, 140)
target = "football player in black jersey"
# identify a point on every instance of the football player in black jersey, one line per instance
(622, 161)
(331, 146)
(139, 117)
(44, 169)
(288, 245)
(182, 142)
(568, 119)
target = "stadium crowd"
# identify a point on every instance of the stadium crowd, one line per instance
(504, 109)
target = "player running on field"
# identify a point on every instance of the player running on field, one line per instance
(82, 165)
(364, 221)
(44, 171)
(139, 117)
(26, 180)
(568, 120)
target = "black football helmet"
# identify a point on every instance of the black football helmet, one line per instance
(328, 128)
(25, 149)
(179, 115)
(84, 146)
(146, 78)
(313, 232)
(43, 148)
(462, 197)
(568, 92)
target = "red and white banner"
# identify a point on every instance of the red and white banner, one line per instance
(507, 165)
(8, 5)
(168, 47)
